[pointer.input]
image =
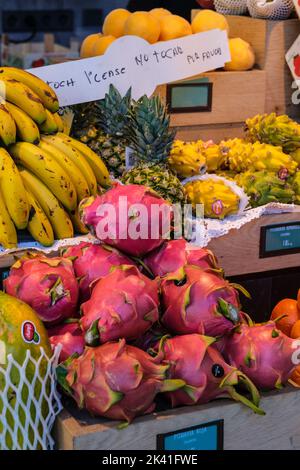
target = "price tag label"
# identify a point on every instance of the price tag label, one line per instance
(131, 61)
(280, 239)
(297, 6)
(293, 60)
(208, 436)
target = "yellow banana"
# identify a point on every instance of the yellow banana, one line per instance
(8, 234)
(40, 88)
(21, 95)
(13, 190)
(49, 126)
(38, 224)
(79, 226)
(77, 157)
(8, 130)
(57, 216)
(27, 129)
(47, 170)
(95, 162)
(81, 186)
(59, 122)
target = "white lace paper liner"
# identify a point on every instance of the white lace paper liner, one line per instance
(213, 228)
(35, 246)
(208, 229)
(231, 7)
(42, 425)
(244, 199)
(271, 10)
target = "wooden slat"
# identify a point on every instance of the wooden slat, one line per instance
(277, 430)
(238, 251)
(236, 96)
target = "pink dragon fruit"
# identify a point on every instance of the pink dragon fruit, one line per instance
(115, 380)
(205, 373)
(123, 304)
(174, 254)
(48, 285)
(91, 262)
(70, 336)
(152, 336)
(262, 352)
(198, 301)
(132, 218)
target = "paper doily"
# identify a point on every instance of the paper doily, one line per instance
(207, 229)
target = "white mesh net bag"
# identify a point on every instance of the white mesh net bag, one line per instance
(271, 10)
(29, 402)
(231, 7)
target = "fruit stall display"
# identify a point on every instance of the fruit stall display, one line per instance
(129, 322)
(139, 324)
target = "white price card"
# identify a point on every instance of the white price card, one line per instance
(297, 6)
(132, 61)
(293, 60)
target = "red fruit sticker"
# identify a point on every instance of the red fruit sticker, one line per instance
(29, 333)
(283, 173)
(217, 207)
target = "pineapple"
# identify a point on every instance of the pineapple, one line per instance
(218, 198)
(100, 125)
(159, 178)
(149, 136)
(148, 131)
(275, 130)
(263, 187)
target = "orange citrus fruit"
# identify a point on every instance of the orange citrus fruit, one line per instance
(160, 13)
(206, 20)
(144, 25)
(289, 308)
(295, 331)
(174, 26)
(87, 45)
(102, 44)
(114, 22)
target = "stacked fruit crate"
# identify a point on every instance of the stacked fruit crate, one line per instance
(265, 89)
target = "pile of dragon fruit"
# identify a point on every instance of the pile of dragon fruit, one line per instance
(156, 318)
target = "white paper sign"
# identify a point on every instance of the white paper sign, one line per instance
(293, 60)
(297, 6)
(132, 61)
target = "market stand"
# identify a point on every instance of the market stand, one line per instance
(243, 429)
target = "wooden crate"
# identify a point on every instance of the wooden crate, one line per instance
(239, 95)
(238, 251)
(243, 430)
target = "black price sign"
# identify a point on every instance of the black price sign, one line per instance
(280, 239)
(208, 436)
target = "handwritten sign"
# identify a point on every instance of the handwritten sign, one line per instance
(131, 61)
(293, 60)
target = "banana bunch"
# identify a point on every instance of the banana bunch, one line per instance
(28, 107)
(42, 185)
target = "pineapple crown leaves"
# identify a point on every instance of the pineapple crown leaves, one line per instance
(112, 111)
(148, 130)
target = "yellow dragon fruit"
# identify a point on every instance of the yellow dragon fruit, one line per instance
(218, 198)
(244, 156)
(186, 159)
